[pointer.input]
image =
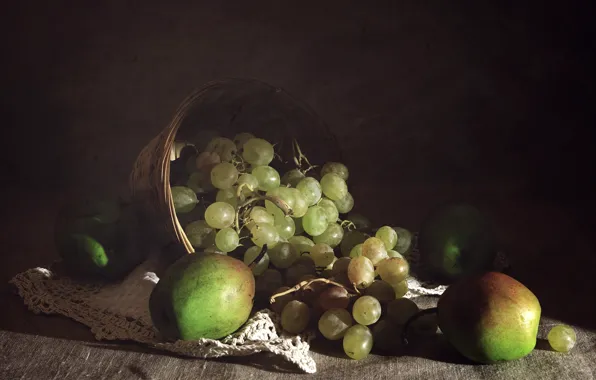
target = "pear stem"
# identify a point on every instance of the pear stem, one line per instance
(404, 333)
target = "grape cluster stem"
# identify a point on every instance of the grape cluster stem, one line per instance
(304, 284)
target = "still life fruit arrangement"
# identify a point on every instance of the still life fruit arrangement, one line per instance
(290, 241)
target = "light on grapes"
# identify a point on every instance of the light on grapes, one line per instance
(562, 338)
(227, 196)
(283, 255)
(361, 272)
(330, 209)
(345, 204)
(322, 254)
(185, 199)
(220, 215)
(200, 234)
(400, 289)
(248, 182)
(224, 175)
(292, 177)
(267, 176)
(257, 152)
(310, 189)
(242, 138)
(259, 214)
(336, 168)
(358, 342)
(332, 235)
(227, 240)
(285, 227)
(333, 186)
(388, 236)
(334, 323)
(314, 221)
(356, 251)
(261, 265)
(264, 233)
(392, 253)
(374, 249)
(224, 147)
(393, 270)
(366, 310)
(295, 317)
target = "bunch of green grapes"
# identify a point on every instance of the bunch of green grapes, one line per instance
(293, 228)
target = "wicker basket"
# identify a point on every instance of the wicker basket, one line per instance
(228, 106)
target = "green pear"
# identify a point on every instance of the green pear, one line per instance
(202, 295)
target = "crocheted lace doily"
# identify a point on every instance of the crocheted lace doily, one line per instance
(121, 312)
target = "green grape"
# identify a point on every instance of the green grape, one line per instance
(334, 323)
(393, 270)
(310, 189)
(400, 289)
(224, 175)
(298, 226)
(301, 243)
(404, 240)
(248, 182)
(267, 176)
(333, 186)
(185, 199)
(356, 251)
(327, 272)
(350, 240)
(322, 254)
(227, 240)
(224, 147)
(274, 210)
(336, 168)
(315, 221)
(258, 152)
(283, 255)
(292, 177)
(204, 162)
(242, 138)
(227, 196)
(400, 310)
(299, 270)
(268, 281)
(366, 310)
(332, 235)
(345, 204)
(330, 209)
(220, 215)
(285, 227)
(199, 182)
(341, 266)
(360, 221)
(335, 297)
(260, 214)
(385, 335)
(300, 206)
(261, 265)
(388, 236)
(374, 249)
(213, 249)
(561, 338)
(282, 301)
(295, 317)
(306, 259)
(358, 342)
(392, 253)
(264, 233)
(200, 234)
(361, 272)
(381, 290)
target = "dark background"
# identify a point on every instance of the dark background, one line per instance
(488, 101)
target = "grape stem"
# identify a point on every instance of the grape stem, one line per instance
(304, 284)
(275, 200)
(404, 333)
(259, 257)
(300, 156)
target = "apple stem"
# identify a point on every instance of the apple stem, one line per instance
(404, 333)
